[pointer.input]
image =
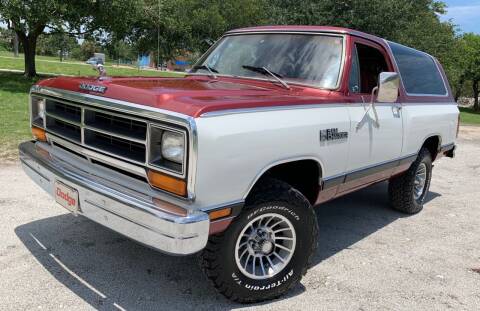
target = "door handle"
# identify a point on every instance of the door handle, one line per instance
(396, 108)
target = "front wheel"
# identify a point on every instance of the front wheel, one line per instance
(267, 249)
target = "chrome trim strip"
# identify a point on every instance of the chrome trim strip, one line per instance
(307, 32)
(115, 156)
(113, 104)
(106, 111)
(342, 178)
(267, 109)
(137, 170)
(147, 112)
(96, 129)
(183, 173)
(304, 106)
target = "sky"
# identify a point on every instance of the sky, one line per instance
(464, 13)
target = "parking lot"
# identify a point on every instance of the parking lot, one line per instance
(369, 257)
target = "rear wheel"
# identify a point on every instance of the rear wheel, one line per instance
(266, 250)
(408, 191)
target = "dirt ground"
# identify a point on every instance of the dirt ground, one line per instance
(369, 258)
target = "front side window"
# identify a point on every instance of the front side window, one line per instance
(354, 82)
(296, 58)
(370, 63)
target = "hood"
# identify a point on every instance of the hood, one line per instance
(195, 95)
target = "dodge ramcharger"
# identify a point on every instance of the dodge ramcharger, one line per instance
(228, 161)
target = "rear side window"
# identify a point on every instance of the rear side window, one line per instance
(419, 72)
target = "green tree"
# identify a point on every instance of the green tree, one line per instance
(413, 23)
(56, 44)
(120, 49)
(385, 18)
(6, 39)
(185, 26)
(31, 18)
(87, 49)
(472, 64)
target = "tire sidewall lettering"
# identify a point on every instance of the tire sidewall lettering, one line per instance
(270, 208)
(272, 285)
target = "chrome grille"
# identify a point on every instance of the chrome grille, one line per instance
(114, 145)
(128, 128)
(112, 133)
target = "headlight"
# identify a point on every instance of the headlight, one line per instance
(173, 146)
(38, 111)
(168, 148)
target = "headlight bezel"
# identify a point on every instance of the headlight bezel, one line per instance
(37, 113)
(155, 158)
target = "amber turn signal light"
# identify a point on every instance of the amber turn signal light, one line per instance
(39, 133)
(220, 213)
(167, 183)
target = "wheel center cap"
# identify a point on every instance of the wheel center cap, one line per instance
(267, 247)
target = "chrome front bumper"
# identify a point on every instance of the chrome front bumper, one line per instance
(118, 207)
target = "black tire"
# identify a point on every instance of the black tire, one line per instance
(401, 188)
(218, 258)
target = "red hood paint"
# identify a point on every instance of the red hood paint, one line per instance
(195, 95)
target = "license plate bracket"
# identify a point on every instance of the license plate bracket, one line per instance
(67, 197)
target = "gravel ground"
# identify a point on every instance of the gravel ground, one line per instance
(369, 257)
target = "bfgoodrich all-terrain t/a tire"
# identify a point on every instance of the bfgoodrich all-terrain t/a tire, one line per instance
(268, 247)
(408, 191)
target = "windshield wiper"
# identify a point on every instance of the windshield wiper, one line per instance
(264, 70)
(211, 70)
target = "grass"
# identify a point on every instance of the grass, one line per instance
(14, 89)
(14, 119)
(469, 116)
(52, 65)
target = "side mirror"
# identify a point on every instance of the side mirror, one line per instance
(388, 84)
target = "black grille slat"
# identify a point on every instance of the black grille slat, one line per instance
(64, 111)
(115, 146)
(64, 129)
(116, 124)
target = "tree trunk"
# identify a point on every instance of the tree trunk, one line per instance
(29, 47)
(476, 90)
(15, 45)
(458, 88)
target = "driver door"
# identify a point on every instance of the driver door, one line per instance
(376, 134)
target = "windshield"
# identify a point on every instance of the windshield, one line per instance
(296, 58)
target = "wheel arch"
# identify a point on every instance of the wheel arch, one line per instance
(432, 143)
(306, 177)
